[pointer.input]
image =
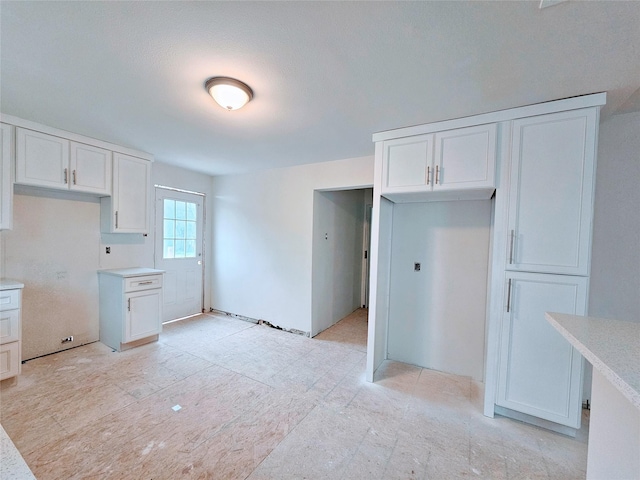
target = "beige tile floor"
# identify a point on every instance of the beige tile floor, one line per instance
(260, 403)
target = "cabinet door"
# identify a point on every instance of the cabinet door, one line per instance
(551, 193)
(465, 158)
(144, 315)
(130, 200)
(407, 164)
(540, 373)
(41, 159)
(6, 182)
(90, 169)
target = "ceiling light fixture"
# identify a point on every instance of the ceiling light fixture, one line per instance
(228, 92)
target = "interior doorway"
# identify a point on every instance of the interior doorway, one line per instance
(179, 231)
(339, 262)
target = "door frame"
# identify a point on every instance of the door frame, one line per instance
(204, 223)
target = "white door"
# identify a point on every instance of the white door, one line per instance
(540, 372)
(179, 227)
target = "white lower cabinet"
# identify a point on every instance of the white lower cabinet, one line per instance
(130, 306)
(10, 328)
(540, 373)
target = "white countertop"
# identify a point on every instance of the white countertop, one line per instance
(12, 465)
(611, 346)
(10, 284)
(131, 272)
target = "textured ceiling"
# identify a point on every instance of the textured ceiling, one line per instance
(326, 75)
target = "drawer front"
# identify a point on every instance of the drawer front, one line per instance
(9, 326)
(9, 300)
(147, 282)
(9, 360)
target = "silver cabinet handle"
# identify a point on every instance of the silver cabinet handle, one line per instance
(116, 219)
(511, 247)
(146, 283)
(428, 174)
(509, 296)
(437, 173)
(66, 176)
(129, 304)
(74, 177)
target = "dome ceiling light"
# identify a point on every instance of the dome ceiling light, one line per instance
(229, 93)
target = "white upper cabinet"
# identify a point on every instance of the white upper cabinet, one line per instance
(126, 211)
(551, 192)
(90, 169)
(41, 160)
(45, 160)
(452, 164)
(6, 182)
(407, 164)
(465, 158)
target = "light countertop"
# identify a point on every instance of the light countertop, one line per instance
(10, 284)
(611, 346)
(131, 272)
(12, 465)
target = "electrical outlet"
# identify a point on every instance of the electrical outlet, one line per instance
(108, 249)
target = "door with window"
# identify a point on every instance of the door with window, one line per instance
(179, 226)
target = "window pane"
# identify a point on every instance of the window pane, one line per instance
(190, 249)
(191, 230)
(169, 208)
(181, 229)
(167, 251)
(181, 210)
(169, 229)
(191, 211)
(179, 249)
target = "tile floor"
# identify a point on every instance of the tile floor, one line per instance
(260, 403)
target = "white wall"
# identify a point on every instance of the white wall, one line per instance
(615, 261)
(263, 237)
(338, 224)
(55, 249)
(437, 315)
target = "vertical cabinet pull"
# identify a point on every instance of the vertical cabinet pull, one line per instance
(509, 296)
(116, 219)
(511, 247)
(74, 177)
(129, 304)
(428, 175)
(66, 171)
(437, 173)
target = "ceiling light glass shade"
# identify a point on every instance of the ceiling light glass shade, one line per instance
(228, 92)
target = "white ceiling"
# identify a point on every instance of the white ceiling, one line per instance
(326, 75)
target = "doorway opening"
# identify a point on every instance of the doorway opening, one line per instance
(179, 228)
(340, 255)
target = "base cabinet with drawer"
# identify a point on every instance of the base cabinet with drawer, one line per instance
(130, 306)
(10, 328)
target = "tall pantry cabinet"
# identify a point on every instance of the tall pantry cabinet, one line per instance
(540, 250)
(548, 228)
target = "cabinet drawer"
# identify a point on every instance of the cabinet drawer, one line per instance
(9, 360)
(9, 326)
(147, 282)
(9, 300)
